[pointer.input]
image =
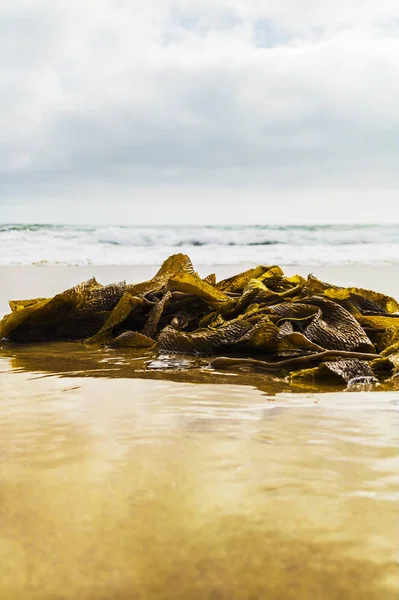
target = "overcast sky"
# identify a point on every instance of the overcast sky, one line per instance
(210, 111)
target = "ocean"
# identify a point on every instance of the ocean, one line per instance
(38, 244)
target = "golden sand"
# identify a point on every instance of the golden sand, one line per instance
(114, 486)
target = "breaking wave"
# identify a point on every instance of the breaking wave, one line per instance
(216, 245)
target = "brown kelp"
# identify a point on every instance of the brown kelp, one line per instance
(259, 319)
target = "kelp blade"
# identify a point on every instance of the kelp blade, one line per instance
(296, 325)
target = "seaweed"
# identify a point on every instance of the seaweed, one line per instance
(296, 327)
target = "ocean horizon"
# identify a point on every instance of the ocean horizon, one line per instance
(52, 244)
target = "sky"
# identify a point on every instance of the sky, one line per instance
(208, 111)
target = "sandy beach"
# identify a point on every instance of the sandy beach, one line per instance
(199, 436)
(117, 484)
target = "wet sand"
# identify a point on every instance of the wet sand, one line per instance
(116, 486)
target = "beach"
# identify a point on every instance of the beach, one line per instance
(199, 300)
(120, 483)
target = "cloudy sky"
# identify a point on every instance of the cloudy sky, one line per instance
(211, 111)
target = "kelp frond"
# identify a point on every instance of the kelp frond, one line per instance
(258, 319)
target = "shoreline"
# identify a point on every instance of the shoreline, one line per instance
(164, 488)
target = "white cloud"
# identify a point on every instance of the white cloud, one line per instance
(103, 97)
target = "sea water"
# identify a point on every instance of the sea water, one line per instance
(213, 245)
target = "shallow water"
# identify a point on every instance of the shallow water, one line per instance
(115, 486)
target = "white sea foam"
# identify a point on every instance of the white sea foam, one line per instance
(129, 245)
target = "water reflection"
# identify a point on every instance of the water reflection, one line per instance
(124, 487)
(78, 360)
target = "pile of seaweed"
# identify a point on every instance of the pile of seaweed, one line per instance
(258, 319)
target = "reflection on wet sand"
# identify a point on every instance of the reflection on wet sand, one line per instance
(129, 488)
(80, 360)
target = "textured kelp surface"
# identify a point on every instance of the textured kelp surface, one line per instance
(295, 327)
